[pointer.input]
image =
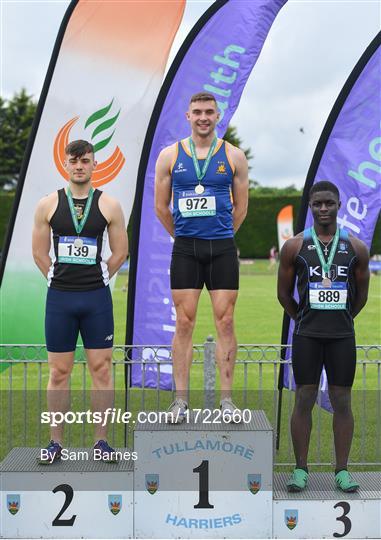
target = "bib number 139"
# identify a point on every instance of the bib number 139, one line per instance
(82, 251)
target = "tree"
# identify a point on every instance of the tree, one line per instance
(255, 187)
(258, 190)
(16, 118)
(231, 136)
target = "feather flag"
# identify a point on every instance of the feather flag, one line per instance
(217, 56)
(103, 79)
(349, 155)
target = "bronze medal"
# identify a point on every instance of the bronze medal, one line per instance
(326, 282)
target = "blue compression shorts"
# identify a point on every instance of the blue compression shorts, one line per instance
(69, 313)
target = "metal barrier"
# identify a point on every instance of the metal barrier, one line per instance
(25, 373)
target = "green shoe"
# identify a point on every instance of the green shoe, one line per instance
(298, 480)
(345, 482)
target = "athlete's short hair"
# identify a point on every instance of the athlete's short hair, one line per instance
(79, 148)
(324, 185)
(202, 96)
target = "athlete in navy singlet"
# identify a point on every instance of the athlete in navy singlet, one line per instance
(206, 181)
(332, 274)
(79, 219)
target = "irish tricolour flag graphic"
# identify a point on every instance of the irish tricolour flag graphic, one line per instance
(103, 79)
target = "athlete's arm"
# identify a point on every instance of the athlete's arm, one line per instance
(240, 187)
(117, 234)
(286, 275)
(163, 188)
(41, 235)
(361, 274)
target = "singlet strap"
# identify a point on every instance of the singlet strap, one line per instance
(175, 156)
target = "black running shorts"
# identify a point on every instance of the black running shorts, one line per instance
(196, 262)
(310, 354)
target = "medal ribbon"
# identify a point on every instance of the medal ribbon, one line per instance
(79, 226)
(201, 173)
(326, 265)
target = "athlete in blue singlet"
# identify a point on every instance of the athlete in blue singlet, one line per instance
(79, 300)
(206, 179)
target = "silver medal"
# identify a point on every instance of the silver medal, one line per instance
(199, 189)
(78, 243)
(326, 282)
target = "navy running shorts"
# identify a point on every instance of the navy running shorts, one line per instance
(69, 313)
(310, 354)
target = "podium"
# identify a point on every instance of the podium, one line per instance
(198, 480)
(193, 480)
(322, 511)
(67, 499)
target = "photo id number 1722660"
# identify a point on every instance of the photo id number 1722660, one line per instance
(218, 416)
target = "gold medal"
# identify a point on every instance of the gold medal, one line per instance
(78, 243)
(326, 282)
(199, 189)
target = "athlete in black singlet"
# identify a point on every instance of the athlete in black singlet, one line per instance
(332, 280)
(78, 297)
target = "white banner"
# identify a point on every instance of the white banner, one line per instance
(102, 83)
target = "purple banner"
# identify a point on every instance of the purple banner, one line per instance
(225, 45)
(349, 155)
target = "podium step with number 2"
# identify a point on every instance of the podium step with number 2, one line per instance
(67, 499)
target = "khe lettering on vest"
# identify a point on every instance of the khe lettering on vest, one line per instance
(342, 271)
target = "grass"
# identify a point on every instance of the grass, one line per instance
(258, 315)
(258, 320)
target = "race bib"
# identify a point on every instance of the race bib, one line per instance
(77, 250)
(193, 205)
(334, 297)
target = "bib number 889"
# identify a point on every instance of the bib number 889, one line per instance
(329, 296)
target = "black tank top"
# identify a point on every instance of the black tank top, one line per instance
(313, 318)
(74, 276)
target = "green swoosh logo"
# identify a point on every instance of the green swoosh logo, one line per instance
(103, 126)
(98, 114)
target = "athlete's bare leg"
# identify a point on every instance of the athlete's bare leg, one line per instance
(58, 398)
(102, 391)
(223, 302)
(343, 423)
(301, 421)
(186, 302)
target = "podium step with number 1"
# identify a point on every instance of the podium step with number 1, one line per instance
(199, 479)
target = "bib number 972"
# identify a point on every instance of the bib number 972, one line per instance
(198, 203)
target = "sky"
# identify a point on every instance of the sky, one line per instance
(309, 53)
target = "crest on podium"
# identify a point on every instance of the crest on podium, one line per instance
(13, 503)
(291, 518)
(115, 504)
(254, 482)
(152, 483)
